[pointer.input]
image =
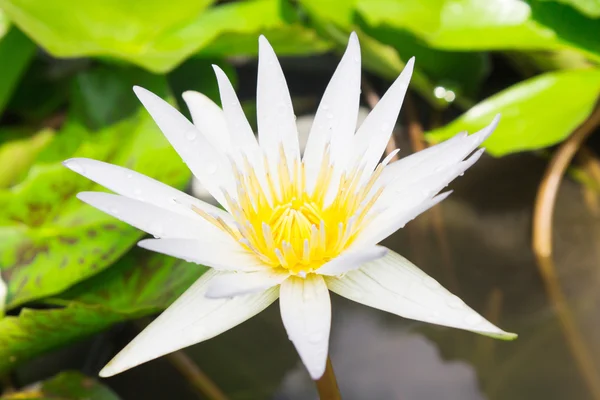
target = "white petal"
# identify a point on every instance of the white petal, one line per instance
(374, 133)
(395, 285)
(240, 131)
(242, 139)
(274, 110)
(208, 118)
(134, 185)
(191, 319)
(3, 293)
(236, 284)
(335, 119)
(150, 218)
(438, 157)
(386, 224)
(403, 200)
(214, 253)
(406, 193)
(206, 162)
(306, 314)
(351, 260)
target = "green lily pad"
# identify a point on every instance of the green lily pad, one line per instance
(472, 25)
(68, 385)
(121, 29)
(141, 283)
(16, 51)
(536, 113)
(49, 240)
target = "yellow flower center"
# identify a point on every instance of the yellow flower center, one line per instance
(288, 227)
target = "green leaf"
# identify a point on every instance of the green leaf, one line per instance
(16, 52)
(591, 8)
(69, 385)
(491, 25)
(18, 151)
(141, 283)
(178, 29)
(536, 113)
(49, 240)
(103, 95)
(460, 72)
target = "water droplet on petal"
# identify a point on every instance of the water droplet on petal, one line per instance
(455, 302)
(191, 135)
(329, 115)
(113, 210)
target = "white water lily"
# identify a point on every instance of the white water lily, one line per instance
(293, 227)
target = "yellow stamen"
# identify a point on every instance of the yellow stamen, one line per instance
(288, 226)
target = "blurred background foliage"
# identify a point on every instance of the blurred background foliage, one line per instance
(66, 72)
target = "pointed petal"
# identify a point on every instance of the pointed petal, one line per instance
(226, 256)
(134, 185)
(374, 133)
(207, 163)
(306, 314)
(384, 224)
(351, 260)
(404, 194)
(237, 284)
(152, 219)
(403, 200)
(191, 319)
(208, 118)
(274, 110)
(395, 285)
(242, 139)
(335, 120)
(240, 131)
(438, 157)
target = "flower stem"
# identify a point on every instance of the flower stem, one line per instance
(327, 385)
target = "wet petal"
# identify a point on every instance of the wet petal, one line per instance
(374, 133)
(274, 110)
(191, 319)
(306, 314)
(137, 186)
(214, 253)
(149, 218)
(351, 260)
(205, 161)
(236, 284)
(395, 285)
(208, 118)
(335, 120)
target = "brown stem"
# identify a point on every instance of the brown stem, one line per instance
(327, 386)
(194, 375)
(542, 247)
(591, 166)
